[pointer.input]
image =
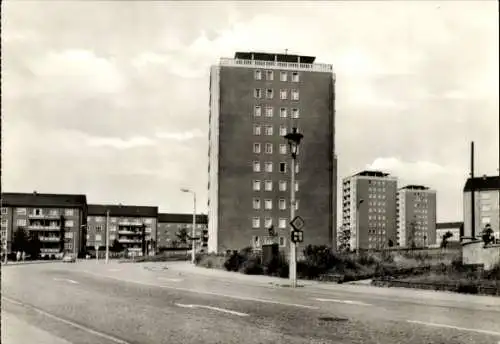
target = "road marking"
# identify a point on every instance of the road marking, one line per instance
(349, 302)
(196, 291)
(68, 322)
(66, 280)
(213, 308)
(170, 279)
(493, 333)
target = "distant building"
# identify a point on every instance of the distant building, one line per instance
(486, 206)
(455, 228)
(255, 99)
(125, 223)
(169, 226)
(47, 216)
(369, 209)
(416, 216)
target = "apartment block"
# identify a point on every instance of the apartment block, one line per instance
(455, 228)
(255, 99)
(125, 224)
(56, 219)
(482, 193)
(169, 225)
(369, 209)
(416, 216)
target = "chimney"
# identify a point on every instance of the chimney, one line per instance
(472, 159)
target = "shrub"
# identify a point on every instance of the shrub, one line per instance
(210, 261)
(252, 266)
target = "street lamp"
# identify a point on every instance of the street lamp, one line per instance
(358, 229)
(193, 256)
(293, 139)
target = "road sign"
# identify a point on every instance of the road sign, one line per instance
(297, 223)
(297, 236)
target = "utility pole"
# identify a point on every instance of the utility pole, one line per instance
(107, 236)
(193, 231)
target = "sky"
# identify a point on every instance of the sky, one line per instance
(110, 99)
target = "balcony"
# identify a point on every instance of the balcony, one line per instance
(44, 228)
(127, 232)
(308, 67)
(129, 241)
(49, 250)
(44, 216)
(49, 239)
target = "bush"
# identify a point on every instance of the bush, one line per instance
(252, 266)
(210, 261)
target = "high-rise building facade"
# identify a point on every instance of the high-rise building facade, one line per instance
(255, 99)
(416, 216)
(369, 210)
(486, 206)
(56, 219)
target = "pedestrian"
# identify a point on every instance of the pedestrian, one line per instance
(18, 256)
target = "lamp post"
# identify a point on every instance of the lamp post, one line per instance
(107, 237)
(293, 139)
(193, 255)
(358, 229)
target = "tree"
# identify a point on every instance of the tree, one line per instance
(487, 235)
(20, 240)
(344, 239)
(445, 237)
(412, 228)
(34, 246)
(183, 235)
(116, 246)
(390, 243)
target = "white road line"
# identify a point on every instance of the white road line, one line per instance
(68, 322)
(170, 279)
(213, 308)
(349, 302)
(66, 280)
(208, 292)
(493, 333)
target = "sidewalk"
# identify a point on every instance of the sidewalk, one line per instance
(27, 262)
(16, 331)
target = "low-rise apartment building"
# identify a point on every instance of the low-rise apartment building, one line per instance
(170, 225)
(56, 219)
(125, 224)
(455, 228)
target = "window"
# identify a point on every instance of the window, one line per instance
(295, 94)
(256, 185)
(282, 223)
(485, 195)
(282, 204)
(258, 75)
(112, 228)
(295, 77)
(269, 130)
(268, 222)
(256, 223)
(99, 219)
(256, 148)
(257, 93)
(282, 130)
(283, 76)
(283, 94)
(37, 212)
(256, 166)
(296, 204)
(282, 185)
(282, 148)
(282, 242)
(283, 167)
(283, 112)
(21, 222)
(269, 75)
(21, 211)
(256, 129)
(98, 237)
(113, 219)
(69, 223)
(98, 228)
(269, 111)
(148, 221)
(4, 211)
(269, 148)
(68, 212)
(54, 212)
(485, 207)
(112, 237)
(268, 204)
(256, 203)
(269, 166)
(68, 235)
(269, 93)
(268, 185)
(485, 220)
(296, 186)
(295, 113)
(297, 164)
(4, 222)
(257, 111)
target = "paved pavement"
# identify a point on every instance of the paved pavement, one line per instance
(91, 302)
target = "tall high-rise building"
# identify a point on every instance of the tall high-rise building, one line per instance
(416, 221)
(369, 209)
(486, 191)
(255, 99)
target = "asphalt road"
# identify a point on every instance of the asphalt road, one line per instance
(142, 303)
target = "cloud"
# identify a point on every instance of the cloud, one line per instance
(118, 143)
(181, 136)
